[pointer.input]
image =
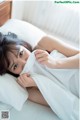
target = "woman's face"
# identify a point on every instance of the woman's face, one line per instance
(18, 60)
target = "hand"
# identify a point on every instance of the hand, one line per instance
(25, 80)
(44, 58)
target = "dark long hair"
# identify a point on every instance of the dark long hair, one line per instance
(6, 43)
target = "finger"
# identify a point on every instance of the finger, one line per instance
(42, 59)
(26, 74)
(23, 78)
(38, 51)
(41, 55)
(20, 82)
(44, 62)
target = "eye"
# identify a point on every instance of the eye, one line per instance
(21, 53)
(15, 66)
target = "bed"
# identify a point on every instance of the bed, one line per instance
(26, 31)
(28, 109)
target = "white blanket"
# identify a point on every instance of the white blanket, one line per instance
(58, 86)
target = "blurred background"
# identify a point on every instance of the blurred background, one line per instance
(61, 20)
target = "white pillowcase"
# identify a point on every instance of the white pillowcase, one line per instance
(24, 30)
(10, 91)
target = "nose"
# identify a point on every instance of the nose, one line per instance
(22, 62)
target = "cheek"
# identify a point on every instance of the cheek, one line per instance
(18, 71)
(26, 54)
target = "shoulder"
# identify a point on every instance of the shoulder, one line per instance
(46, 43)
(51, 43)
(45, 39)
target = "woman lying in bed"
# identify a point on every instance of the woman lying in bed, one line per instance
(15, 52)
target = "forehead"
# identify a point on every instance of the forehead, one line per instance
(13, 52)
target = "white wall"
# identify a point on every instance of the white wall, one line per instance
(18, 9)
(57, 20)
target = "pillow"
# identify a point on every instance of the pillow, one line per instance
(4, 106)
(24, 30)
(11, 92)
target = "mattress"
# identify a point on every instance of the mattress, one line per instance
(29, 111)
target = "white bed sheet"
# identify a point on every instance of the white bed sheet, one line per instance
(30, 111)
(33, 111)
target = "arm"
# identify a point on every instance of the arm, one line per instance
(36, 96)
(50, 43)
(62, 63)
(65, 63)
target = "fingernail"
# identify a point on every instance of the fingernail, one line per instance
(28, 74)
